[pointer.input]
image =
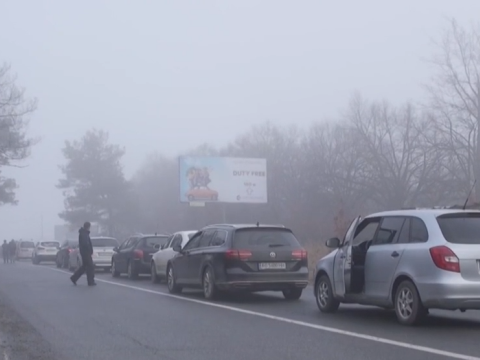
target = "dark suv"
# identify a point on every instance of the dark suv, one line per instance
(247, 258)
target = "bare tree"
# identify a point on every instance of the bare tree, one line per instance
(455, 100)
(400, 166)
(15, 145)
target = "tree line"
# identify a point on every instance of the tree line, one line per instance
(375, 156)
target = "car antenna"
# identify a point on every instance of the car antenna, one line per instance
(258, 223)
(469, 193)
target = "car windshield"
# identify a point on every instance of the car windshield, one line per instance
(255, 237)
(27, 245)
(190, 235)
(104, 242)
(156, 240)
(460, 228)
(50, 244)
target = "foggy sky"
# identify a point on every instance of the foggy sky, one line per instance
(168, 75)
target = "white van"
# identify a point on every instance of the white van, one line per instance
(25, 249)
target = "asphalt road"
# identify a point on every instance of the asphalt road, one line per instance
(122, 319)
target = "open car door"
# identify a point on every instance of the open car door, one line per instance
(343, 261)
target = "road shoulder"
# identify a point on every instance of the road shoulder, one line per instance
(18, 338)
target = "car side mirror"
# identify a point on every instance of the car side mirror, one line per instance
(156, 246)
(177, 248)
(163, 246)
(333, 243)
(115, 249)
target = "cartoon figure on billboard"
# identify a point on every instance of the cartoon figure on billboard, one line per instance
(199, 178)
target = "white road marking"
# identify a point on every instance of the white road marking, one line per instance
(377, 339)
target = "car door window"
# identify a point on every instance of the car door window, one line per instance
(206, 238)
(389, 230)
(194, 242)
(366, 231)
(219, 238)
(418, 231)
(404, 236)
(177, 240)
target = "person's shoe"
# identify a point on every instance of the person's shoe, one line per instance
(92, 284)
(73, 281)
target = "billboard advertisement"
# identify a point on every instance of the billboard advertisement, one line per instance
(220, 179)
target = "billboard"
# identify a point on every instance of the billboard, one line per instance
(220, 179)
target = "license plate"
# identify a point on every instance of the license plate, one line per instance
(272, 266)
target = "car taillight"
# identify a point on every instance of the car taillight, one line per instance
(238, 254)
(137, 254)
(299, 254)
(69, 250)
(444, 258)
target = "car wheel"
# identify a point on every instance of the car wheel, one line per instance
(153, 272)
(58, 263)
(65, 264)
(131, 271)
(173, 288)
(35, 260)
(408, 305)
(292, 294)
(70, 267)
(210, 290)
(113, 270)
(324, 295)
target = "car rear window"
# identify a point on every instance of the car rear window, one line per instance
(460, 228)
(50, 244)
(27, 245)
(254, 237)
(156, 240)
(104, 242)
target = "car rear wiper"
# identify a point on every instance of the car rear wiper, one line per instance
(276, 245)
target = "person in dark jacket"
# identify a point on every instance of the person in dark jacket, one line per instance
(12, 245)
(86, 251)
(5, 252)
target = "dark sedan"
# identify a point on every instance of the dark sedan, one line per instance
(63, 253)
(134, 256)
(247, 258)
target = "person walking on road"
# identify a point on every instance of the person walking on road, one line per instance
(5, 252)
(86, 251)
(13, 250)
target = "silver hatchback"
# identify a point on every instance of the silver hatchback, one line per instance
(407, 260)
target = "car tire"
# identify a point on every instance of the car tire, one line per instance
(70, 267)
(35, 260)
(408, 305)
(153, 274)
(65, 264)
(57, 263)
(326, 302)
(113, 270)
(173, 287)
(132, 271)
(292, 294)
(210, 290)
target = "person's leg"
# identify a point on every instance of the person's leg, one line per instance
(90, 270)
(80, 271)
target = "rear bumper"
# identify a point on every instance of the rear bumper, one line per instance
(273, 281)
(102, 263)
(46, 257)
(141, 267)
(459, 294)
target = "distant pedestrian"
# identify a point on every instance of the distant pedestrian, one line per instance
(5, 252)
(86, 251)
(13, 250)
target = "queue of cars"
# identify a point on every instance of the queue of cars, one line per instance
(408, 261)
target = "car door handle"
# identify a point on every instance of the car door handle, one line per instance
(394, 254)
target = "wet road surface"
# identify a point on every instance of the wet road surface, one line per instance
(122, 319)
